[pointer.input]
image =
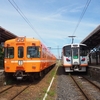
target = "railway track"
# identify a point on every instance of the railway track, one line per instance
(6, 89)
(90, 90)
(17, 90)
(27, 90)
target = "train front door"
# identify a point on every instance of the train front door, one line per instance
(75, 56)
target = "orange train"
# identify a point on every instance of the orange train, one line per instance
(27, 57)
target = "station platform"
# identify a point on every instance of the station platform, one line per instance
(2, 77)
(1, 71)
(94, 72)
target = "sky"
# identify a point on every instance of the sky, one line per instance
(50, 21)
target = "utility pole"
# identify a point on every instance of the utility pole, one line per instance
(72, 38)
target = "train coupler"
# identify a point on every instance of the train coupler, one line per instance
(19, 75)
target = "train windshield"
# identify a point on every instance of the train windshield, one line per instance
(33, 52)
(67, 51)
(20, 52)
(83, 50)
(75, 53)
(9, 52)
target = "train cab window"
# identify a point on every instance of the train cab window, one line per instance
(75, 53)
(67, 51)
(20, 52)
(9, 52)
(33, 52)
(83, 50)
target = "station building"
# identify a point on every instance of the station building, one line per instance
(93, 43)
(4, 35)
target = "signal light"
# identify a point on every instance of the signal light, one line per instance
(67, 59)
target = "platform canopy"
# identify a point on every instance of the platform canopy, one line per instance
(93, 39)
(6, 35)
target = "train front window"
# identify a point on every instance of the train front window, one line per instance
(33, 52)
(67, 51)
(75, 53)
(83, 50)
(20, 52)
(9, 52)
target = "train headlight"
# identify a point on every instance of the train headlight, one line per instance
(18, 39)
(67, 59)
(22, 39)
(83, 59)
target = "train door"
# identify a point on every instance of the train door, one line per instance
(20, 61)
(20, 55)
(75, 56)
(20, 66)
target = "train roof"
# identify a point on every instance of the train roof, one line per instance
(75, 44)
(27, 39)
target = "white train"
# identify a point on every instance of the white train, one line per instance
(75, 57)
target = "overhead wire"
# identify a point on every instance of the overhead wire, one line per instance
(83, 12)
(28, 22)
(25, 18)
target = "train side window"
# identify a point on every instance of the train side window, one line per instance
(9, 52)
(20, 52)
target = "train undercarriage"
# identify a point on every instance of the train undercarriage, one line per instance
(75, 68)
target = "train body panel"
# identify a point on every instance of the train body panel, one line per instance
(22, 65)
(74, 57)
(27, 55)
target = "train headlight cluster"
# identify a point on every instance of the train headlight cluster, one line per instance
(20, 39)
(83, 59)
(67, 59)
